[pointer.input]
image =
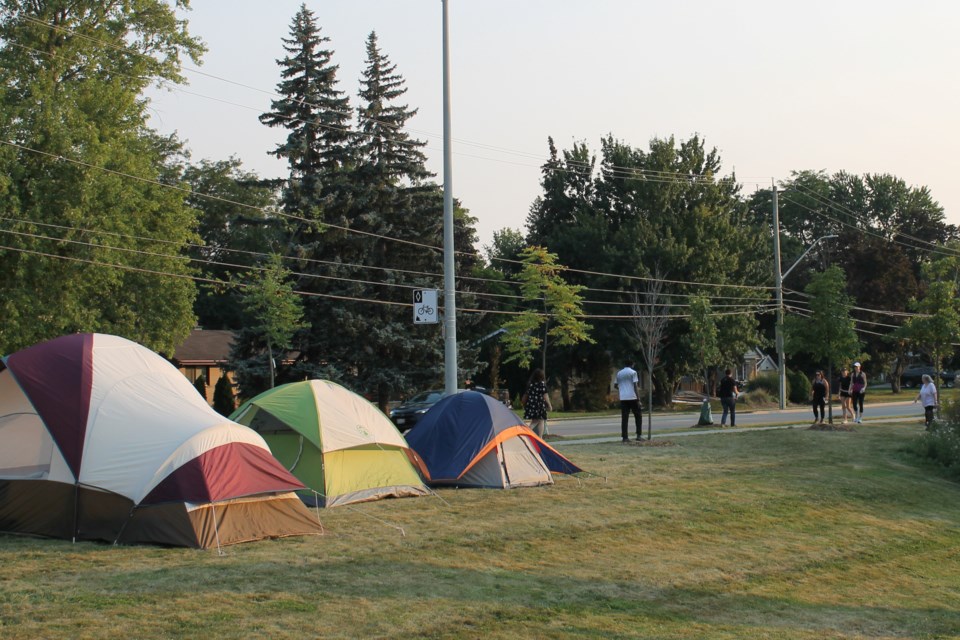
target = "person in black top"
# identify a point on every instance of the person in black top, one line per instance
(818, 396)
(728, 393)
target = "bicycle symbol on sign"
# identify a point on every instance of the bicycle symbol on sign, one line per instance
(425, 306)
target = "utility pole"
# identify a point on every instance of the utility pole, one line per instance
(449, 283)
(778, 279)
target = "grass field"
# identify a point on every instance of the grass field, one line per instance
(778, 534)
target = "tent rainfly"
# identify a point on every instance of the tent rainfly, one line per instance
(335, 441)
(102, 439)
(470, 440)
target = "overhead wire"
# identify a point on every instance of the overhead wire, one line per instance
(270, 212)
(400, 285)
(673, 177)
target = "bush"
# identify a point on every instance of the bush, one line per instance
(759, 399)
(768, 382)
(941, 442)
(200, 384)
(798, 387)
(223, 399)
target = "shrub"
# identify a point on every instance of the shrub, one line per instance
(200, 384)
(769, 382)
(798, 387)
(941, 441)
(223, 399)
(759, 398)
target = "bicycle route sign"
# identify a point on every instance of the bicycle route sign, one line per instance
(425, 306)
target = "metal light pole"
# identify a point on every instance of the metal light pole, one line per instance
(449, 285)
(779, 276)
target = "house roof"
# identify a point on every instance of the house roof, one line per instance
(204, 347)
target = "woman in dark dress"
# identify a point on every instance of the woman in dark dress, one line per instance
(536, 403)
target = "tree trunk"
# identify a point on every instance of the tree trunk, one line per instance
(270, 363)
(830, 391)
(897, 370)
(383, 397)
(649, 402)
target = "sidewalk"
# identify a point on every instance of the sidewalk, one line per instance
(674, 434)
(710, 431)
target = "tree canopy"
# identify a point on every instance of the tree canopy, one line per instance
(93, 237)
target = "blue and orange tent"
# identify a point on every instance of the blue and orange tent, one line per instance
(471, 440)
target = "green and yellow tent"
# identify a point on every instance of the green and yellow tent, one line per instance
(334, 441)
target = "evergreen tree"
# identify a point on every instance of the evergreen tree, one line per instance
(200, 384)
(316, 115)
(95, 239)
(224, 402)
(397, 215)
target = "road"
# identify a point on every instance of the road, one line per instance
(610, 425)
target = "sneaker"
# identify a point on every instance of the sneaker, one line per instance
(626, 441)
(639, 439)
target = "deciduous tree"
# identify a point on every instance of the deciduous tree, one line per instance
(93, 236)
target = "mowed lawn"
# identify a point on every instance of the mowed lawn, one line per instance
(777, 534)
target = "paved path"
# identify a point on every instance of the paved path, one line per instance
(609, 425)
(700, 431)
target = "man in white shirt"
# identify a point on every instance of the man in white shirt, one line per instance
(627, 380)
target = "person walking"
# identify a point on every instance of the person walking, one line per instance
(858, 389)
(928, 398)
(818, 397)
(627, 381)
(845, 400)
(536, 403)
(728, 393)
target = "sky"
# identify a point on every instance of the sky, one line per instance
(859, 86)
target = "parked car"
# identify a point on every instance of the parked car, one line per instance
(913, 376)
(407, 414)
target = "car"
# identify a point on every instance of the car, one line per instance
(913, 376)
(406, 415)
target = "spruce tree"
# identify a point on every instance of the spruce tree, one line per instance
(318, 151)
(314, 112)
(224, 402)
(395, 205)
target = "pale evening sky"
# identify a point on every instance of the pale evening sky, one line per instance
(855, 85)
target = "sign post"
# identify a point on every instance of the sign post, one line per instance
(425, 306)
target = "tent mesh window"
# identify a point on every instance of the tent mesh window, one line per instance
(265, 422)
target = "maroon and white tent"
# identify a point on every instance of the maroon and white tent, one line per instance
(103, 439)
